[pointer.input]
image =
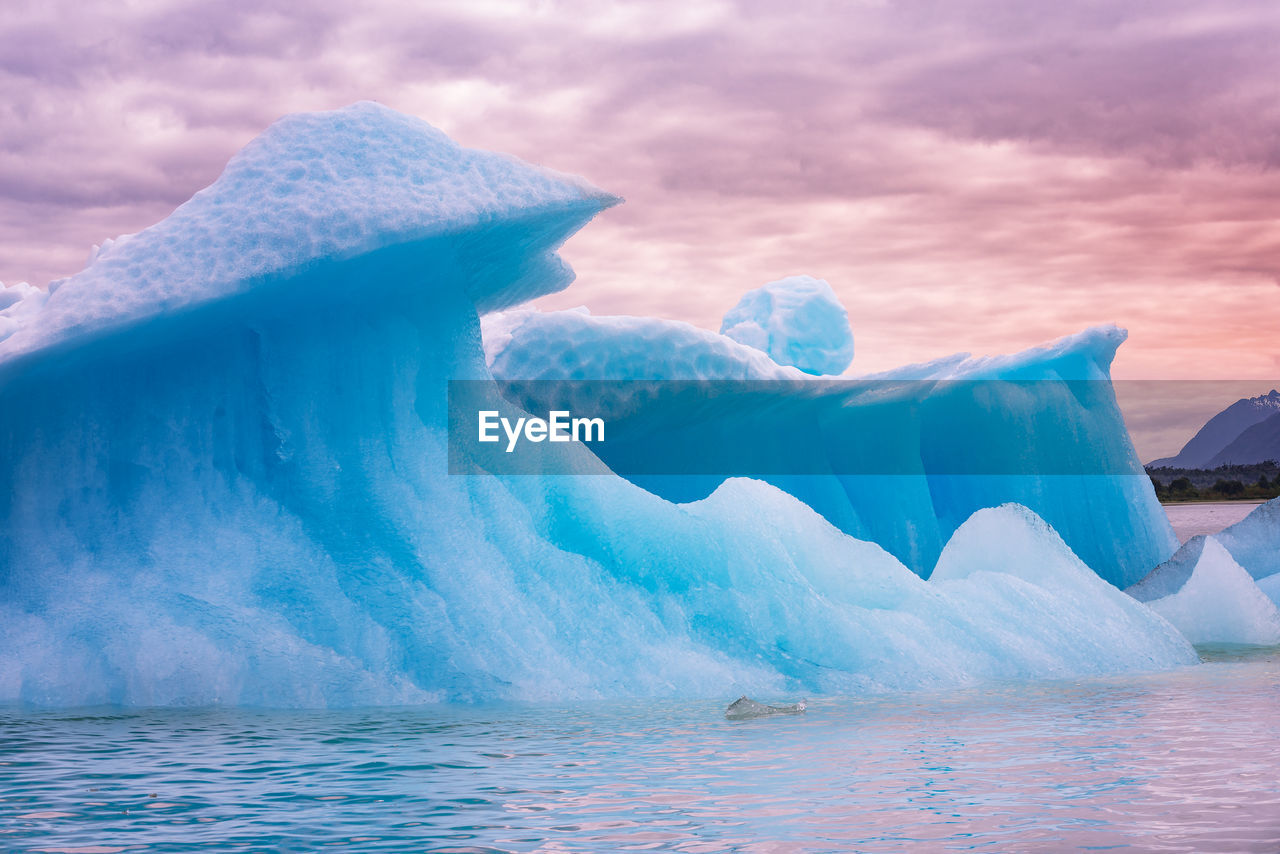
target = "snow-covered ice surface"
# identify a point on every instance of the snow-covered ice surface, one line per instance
(223, 480)
(319, 188)
(18, 303)
(797, 321)
(575, 345)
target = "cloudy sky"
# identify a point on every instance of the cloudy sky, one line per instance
(969, 175)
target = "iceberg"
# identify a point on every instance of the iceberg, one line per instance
(1254, 541)
(901, 458)
(1208, 592)
(797, 321)
(223, 480)
(1253, 544)
(1219, 602)
(771, 581)
(1006, 557)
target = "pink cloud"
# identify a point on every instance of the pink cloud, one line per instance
(975, 176)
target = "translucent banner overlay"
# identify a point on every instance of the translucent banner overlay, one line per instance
(1037, 427)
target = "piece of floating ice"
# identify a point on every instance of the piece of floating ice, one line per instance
(744, 708)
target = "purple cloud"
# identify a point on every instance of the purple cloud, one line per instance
(969, 176)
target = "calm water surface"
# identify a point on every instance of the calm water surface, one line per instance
(1181, 761)
(1206, 517)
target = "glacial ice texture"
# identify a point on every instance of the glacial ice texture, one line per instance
(1220, 603)
(1043, 408)
(17, 304)
(223, 480)
(798, 321)
(1254, 541)
(319, 188)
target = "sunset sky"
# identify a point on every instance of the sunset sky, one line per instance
(969, 176)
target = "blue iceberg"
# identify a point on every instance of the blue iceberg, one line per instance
(223, 479)
(1217, 588)
(901, 458)
(1254, 541)
(1210, 598)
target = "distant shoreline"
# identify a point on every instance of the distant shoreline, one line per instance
(1254, 482)
(1241, 500)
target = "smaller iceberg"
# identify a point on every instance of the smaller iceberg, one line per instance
(798, 321)
(1218, 602)
(1005, 564)
(1254, 541)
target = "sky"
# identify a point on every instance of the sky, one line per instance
(968, 175)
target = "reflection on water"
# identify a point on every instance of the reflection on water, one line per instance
(1181, 761)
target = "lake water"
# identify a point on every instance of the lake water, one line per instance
(1181, 761)
(1208, 517)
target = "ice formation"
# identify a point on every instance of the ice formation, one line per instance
(322, 188)
(1222, 588)
(1010, 557)
(223, 480)
(18, 303)
(1254, 541)
(1169, 577)
(797, 321)
(957, 450)
(574, 345)
(1220, 603)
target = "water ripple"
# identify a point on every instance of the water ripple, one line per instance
(1176, 762)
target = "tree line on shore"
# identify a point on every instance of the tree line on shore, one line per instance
(1225, 483)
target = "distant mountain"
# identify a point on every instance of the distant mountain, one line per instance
(1216, 440)
(1256, 444)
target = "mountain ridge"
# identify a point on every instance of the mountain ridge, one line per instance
(1215, 443)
